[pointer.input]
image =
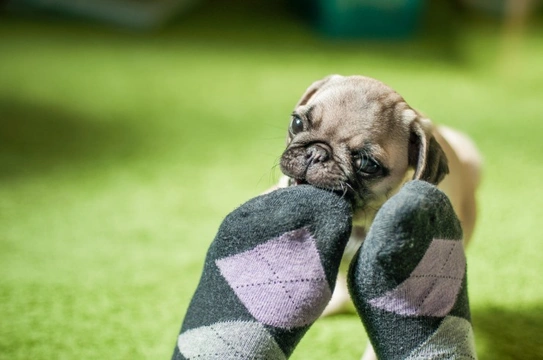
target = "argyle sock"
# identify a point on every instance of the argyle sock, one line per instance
(408, 281)
(267, 276)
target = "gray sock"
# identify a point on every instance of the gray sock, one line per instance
(267, 276)
(408, 281)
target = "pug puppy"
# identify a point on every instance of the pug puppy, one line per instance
(357, 136)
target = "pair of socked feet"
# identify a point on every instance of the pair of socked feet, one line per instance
(271, 269)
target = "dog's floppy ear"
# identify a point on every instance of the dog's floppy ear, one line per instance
(313, 88)
(425, 154)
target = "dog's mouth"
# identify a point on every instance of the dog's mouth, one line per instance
(301, 169)
(347, 192)
(295, 182)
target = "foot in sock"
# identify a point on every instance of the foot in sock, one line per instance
(408, 281)
(267, 276)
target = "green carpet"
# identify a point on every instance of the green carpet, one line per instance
(121, 152)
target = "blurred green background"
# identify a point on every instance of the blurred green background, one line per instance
(121, 150)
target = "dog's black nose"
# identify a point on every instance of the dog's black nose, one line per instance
(317, 153)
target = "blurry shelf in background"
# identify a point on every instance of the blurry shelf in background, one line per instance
(139, 14)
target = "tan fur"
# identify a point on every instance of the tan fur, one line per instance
(342, 115)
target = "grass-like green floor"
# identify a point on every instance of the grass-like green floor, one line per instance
(121, 152)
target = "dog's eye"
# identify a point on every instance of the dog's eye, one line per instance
(296, 125)
(366, 165)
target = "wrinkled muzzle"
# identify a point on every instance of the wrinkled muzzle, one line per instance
(315, 164)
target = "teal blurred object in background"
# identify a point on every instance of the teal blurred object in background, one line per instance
(364, 18)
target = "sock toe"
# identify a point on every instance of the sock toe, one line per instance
(402, 231)
(325, 214)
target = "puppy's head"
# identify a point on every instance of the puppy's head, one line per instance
(358, 136)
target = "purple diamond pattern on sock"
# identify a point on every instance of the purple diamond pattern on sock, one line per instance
(281, 282)
(432, 287)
